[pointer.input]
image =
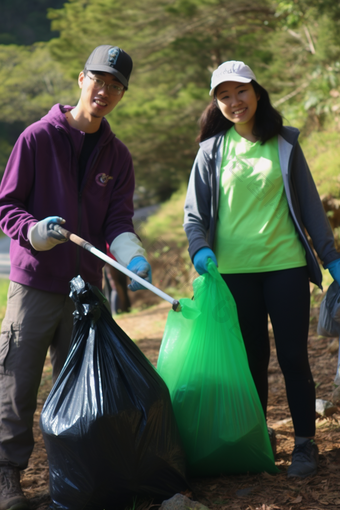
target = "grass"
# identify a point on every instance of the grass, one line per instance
(3, 297)
(164, 230)
(166, 245)
(322, 152)
(168, 220)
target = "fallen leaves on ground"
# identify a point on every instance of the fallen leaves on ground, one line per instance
(241, 492)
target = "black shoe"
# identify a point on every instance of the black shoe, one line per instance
(11, 495)
(304, 460)
(272, 439)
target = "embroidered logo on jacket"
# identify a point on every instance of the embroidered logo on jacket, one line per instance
(103, 179)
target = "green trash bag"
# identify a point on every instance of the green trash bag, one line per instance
(204, 363)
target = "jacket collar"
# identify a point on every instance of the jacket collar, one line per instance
(56, 117)
(211, 143)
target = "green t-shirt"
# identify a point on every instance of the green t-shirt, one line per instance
(255, 232)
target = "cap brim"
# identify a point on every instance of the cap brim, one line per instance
(110, 70)
(231, 77)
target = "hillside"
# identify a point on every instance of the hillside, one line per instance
(166, 244)
(242, 492)
(172, 271)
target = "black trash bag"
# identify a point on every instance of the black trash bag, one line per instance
(108, 424)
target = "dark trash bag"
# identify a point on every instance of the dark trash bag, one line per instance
(108, 423)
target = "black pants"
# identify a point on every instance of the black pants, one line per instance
(285, 297)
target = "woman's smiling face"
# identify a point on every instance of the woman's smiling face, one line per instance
(238, 103)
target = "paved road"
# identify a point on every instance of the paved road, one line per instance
(140, 215)
(4, 257)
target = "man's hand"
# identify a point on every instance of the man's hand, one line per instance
(142, 268)
(43, 237)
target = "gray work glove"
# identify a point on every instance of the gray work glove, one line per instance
(43, 237)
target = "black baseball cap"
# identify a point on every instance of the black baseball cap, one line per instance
(111, 59)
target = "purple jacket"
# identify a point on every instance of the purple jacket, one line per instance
(41, 179)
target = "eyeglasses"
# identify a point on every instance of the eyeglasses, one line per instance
(112, 88)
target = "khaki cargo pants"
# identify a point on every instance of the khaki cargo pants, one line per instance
(34, 322)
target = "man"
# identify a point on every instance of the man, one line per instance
(68, 168)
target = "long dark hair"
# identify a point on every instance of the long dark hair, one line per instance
(268, 121)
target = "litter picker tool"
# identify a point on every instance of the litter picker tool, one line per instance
(89, 247)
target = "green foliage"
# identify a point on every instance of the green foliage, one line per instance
(174, 45)
(166, 244)
(329, 7)
(5, 151)
(167, 222)
(34, 80)
(292, 45)
(322, 153)
(9, 132)
(305, 63)
(292, 12)
(3, 297)
(31, 83)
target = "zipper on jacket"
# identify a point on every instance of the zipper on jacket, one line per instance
(80, 193)
(215, 164)
(78, 232)
(85, 181)
(80, 196)
(73, 155)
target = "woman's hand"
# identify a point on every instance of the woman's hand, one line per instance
(201, 260)
(334, 269)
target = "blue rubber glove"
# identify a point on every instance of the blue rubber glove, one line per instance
(142, 268)
(201, 260)
(334, 269)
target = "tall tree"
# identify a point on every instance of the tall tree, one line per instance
(26, 22)
(31, 83)
(174, 44)
(304, 69)
(292, 45)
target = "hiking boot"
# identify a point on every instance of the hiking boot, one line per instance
(11, 495)
(272, 439)
(304, 460)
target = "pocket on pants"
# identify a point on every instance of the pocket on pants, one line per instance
(9, 338)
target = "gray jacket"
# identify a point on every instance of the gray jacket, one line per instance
(201, 205)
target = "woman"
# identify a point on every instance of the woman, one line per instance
(250, 199)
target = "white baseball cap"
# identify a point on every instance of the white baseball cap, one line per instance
(233, 70)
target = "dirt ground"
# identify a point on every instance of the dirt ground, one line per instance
(246, 492)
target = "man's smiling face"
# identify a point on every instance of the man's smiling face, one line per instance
(97, 102)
